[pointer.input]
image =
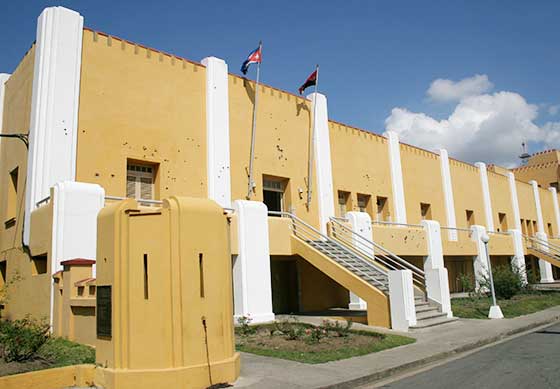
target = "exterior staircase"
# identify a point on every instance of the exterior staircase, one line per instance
(429, 315)
(331, 255)
(376, 276)
(543, 250)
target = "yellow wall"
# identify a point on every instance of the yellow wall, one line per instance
(500, 198)
(140, 104)
(420, 187)
(467, 192)
(29, 295)
(360, 164)
(281, 144)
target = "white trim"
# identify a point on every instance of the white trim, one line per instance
(537, 197)
(401, 300)
(360, 223)
(514, 201)
(217, 131)
(54, 105)
(323, 163)
(396, 176)
(252, 285)
(480, 262)
(518, 258)
(75, 206)
(545, 268)
(554, 195)
(486, 195)
(3, 78)
(448, 194)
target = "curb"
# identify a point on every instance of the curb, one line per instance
(380, 375)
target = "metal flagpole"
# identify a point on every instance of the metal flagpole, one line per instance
(254, 130)
(312, 142)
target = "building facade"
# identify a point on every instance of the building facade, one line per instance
(110, 119)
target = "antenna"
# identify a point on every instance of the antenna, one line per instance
(524, 154)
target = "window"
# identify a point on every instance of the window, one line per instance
(343, 203)
(39, 264)
(3, 273)
(140, 181)
(425, 211)
(535, 229)
(502, 220)
(274, 193)
(12, 198)
(382, 209)
(523, 227)
(470, 217)
(549, 229)
(364, 203)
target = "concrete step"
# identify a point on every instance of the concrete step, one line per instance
(423, 316)
(421, 304)
(425, 308)
(432, 322)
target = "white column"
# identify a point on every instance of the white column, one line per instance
(217, 131)
(554, 195)
(448, 194)
(74, 224)
(514, 201)
(518, 259)
(323, 164)
(252, 289)
(401, 300)
(360, 223)
(396, 176)
(486, 195)
(54, 105)
(480, 262)
(437, 285)
(3, 78)
(545, 268)
(537, 197)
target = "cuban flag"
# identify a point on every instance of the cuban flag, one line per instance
(254, 57)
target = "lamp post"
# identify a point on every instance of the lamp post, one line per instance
(495, 310)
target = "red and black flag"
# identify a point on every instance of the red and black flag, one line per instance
(311, 80)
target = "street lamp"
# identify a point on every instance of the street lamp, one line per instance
(495, 310)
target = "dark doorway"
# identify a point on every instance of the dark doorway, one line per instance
(284, 286)
(273, 200)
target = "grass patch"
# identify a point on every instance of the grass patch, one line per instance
(332, 345)
(62, 352)
(522, 304)
(25, 346)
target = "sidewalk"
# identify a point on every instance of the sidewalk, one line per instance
(432, 344)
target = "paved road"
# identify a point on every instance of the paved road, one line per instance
(531, 361)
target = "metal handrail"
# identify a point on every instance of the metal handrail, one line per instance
(499, 233)
(396, 224)
(456, 229)
(305, 232)
(542, 242)
(371, 250)
(143, 201)
(46, 199)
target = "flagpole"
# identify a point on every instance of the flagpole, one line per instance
(312, 142)
(254, 130)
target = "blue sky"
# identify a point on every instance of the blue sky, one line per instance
(374, 55)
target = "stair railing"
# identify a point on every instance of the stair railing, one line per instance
(309, 234)
(375, 252)
(536, 244)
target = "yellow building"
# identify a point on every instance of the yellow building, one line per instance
(110, 119)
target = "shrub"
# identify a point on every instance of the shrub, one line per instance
(20, 339)
(244, 325)
(508, 281)
(340, 330)
(291, 328)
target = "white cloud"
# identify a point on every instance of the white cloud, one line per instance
(553, 109)
(443, 90)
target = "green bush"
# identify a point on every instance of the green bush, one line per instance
(508, 281)
(20, 339)
(63, 352)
